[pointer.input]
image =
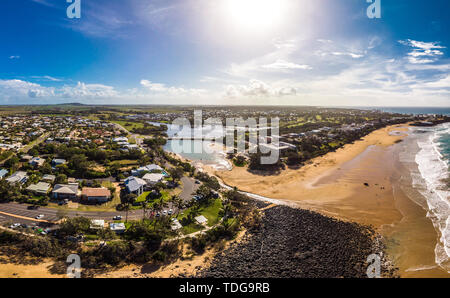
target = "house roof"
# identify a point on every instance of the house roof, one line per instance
(3, 173)
(201, 219)
(97, 224)
(153, 177)
(96, 192)
(134, 183)
(39, 187)
(59, 160)
(17, 176)
(66, 188)
(119, 226)
(150, 168)
(49, 177)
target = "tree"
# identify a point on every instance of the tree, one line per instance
(239, 161)
(294, 158)
(176, 173)
(127, 199)
(61, 179)
(74, 226)
(178, 204)
(12, 162)
(7, 192)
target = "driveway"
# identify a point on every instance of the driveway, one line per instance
(189, 187)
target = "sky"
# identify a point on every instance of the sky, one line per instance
(219, 52)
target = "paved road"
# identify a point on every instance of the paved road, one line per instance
(51, 214)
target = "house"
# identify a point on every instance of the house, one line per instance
(3, 173)
(99, 195)
(18, 177)
(118, 227)
(58, 161)
(27, 158)
(49, 178)
(175, 225)
(36, 162)
(135, 185)
(120, 139)
(147, 168)
(201, 220)
(129, 147)
(97, 224)
(40, 188)
(153, 178)
(65, 191)
(71, 180)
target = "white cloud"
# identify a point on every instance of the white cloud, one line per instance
(46, 78)
(353, 55)
(88, 91)
(282, 64)
(257, 88)
(14, 57)
(18, 89)
(422, 52)
(168, 90)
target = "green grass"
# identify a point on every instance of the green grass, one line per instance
(128, 125)
(211, 212)
(143, 196)
(191, 228)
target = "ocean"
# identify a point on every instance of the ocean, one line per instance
(431, 180)
(411, 110)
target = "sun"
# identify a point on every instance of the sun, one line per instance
(254, 14)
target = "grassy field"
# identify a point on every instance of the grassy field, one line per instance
(128, 125)
(211, 212)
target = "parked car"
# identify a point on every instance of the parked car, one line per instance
(170, 212)
(117, 217)
(13, 226)
(40, 216)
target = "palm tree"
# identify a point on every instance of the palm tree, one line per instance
(179, 204)
(144, 205)
(226, 211)
(126, 207)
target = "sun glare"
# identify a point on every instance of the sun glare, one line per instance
(254, 14)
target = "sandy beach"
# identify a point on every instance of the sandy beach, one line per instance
(360, 183)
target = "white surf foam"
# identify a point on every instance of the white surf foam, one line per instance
(433, 168)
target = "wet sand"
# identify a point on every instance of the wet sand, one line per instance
(334, 185)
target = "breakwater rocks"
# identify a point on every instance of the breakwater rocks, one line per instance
(292, 242)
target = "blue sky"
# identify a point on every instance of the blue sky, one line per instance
(287, 52)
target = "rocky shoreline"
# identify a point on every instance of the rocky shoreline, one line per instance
(296, 243)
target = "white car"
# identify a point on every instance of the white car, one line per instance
(164, 212)
(170, 212)
(39, 216)
(13, 226)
